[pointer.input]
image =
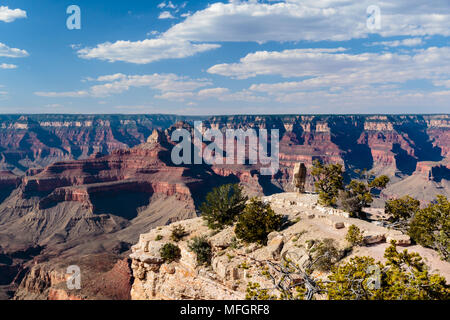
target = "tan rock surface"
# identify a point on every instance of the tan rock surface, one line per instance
(233, 268)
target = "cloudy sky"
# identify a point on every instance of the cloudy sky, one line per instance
(229, 57)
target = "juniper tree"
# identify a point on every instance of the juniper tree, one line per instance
(222, 206)
(257, 221)
(430, 226)
(329, 180)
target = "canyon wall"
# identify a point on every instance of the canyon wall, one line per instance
(78, 186)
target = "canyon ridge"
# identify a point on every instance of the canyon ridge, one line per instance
(81, 189)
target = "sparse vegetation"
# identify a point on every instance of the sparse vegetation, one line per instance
(329, 183)
(379, 182)
(234, 244)
(158, 237)
(178, 233)
(430, 227)
(402, 209)
(403, 277)
(202, 248)
(170, 252)
(324, 253)
(328, 180)
(354, 236)
(256, 222)
(357, 195)
(223, 205)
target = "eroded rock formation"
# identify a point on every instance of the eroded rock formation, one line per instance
(235, 265)
(85, 185)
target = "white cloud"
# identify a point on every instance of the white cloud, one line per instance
(146, 51)
(411, 42)
(213, 92)
(221, 94)
(8, 52)
(176, 96)
(166, 15)
(169, 5)
(442, 83)
(328, 69)
(119, 83)
(339, 79)
(290, 20)
(7, 66)
(9, 15)
(153, 33)
(69, 94)
(54, 106)
(295, 20)
(366, 100)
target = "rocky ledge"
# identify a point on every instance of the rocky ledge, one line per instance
(234, 264)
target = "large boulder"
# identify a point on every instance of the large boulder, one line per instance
(400, 239)
(374, 238)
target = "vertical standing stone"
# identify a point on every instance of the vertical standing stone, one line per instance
(299, 179)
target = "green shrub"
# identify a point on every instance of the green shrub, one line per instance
(329, 180)
(222, 205)
(430, 227)
(170, 252)
(354, 236)
(202, 248)
(404, 276)
(379, 182)
(178, 233)
(158, 237)
(256, 222)
(355, 197)
(324, 253)
(403, 208)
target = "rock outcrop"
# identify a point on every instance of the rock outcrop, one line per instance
(234, 264)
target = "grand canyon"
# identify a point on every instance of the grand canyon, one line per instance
(81, 189)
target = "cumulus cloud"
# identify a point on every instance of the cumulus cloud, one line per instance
(8, 52)
(7, 66)
(68, 94)
(165, 15)
(213, 92)
(336, 77)
(9, 15)
(146, 51)
(365, 100)
(296, 20)
(176, 96)
(325, 68)
(290, 20)
(221, 94)
(169, 5)
(119, 83)
(443, 83)
(411, 42)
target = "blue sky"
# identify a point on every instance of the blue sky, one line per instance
(236, 57)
